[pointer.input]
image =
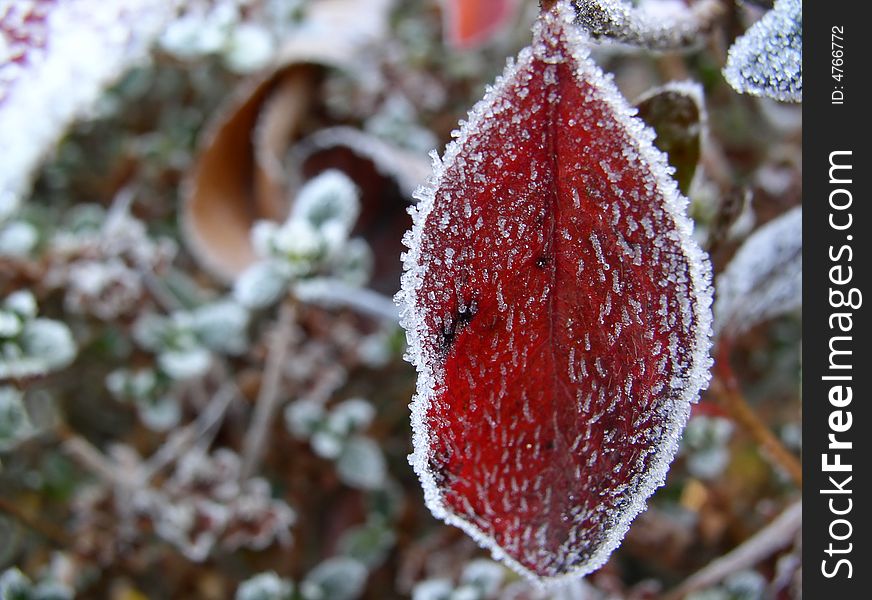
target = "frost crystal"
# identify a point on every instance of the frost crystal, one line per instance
(558, 313)
(764, 278)
(767, 60)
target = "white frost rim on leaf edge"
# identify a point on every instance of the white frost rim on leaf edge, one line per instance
(412, 319)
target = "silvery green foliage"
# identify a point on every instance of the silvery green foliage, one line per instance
(158, 409)
(764, 278)
(31, 345)
(313, 241)
(397, 120)
(205, 504)
(334, 435)
(767, 60)
(17, 237)
(185, 340)
(705, 445)
(246, 40)
(337, 578)
(362, 464)
(105, 288)
(265, 586)
(742, 585)
(15, 585)
(370, 542)
(99, 258)
(433, 589)
(481, 579)
(484, 574)
(14, 421)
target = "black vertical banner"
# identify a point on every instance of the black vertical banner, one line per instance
(837, 420)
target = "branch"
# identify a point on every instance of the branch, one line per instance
(268, 397)
(88, 456)
(766, 542)
(207, 421)
(47, 530)
(727, 388)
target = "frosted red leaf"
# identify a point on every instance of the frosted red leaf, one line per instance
(558, 313)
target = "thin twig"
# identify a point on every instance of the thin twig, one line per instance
(726, 386)
(270, 390)
(87, 455)
(206, 422)
(47, 530)
(766, 542)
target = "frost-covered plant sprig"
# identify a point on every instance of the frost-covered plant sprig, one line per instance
(14, 421)
(334, 434)
(481, 579)
(186, 340)
(31, 345)
(314, 241)
(15, 585)
(336, 578)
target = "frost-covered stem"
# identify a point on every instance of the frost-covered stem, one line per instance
(336, 293)
(270, 389)
(766, 542)
(621, 22)
(726, 386)
(158, 292)
(206, 422)
(87, 455)
(47, 530)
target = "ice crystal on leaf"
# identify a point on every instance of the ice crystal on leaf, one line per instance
(767, 60)
(764, 278)
(557, 311)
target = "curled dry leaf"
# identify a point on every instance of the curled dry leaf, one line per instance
(239, 177)
(676, 112)
(557, 311)
(235, 184)
(764, 278)
(57, 56)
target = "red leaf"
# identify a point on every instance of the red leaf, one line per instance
(558, 313)
(470, 23)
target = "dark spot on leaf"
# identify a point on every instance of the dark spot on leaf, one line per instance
(455, 324)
